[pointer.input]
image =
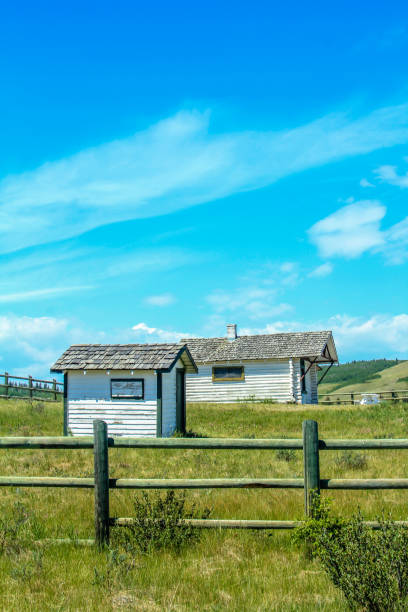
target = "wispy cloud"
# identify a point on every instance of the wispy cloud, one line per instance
(253, 302)
(350, 231)
(365, 183)
(145, 333)
(355, 337)
(389, 174)
(164, 299)
(321, 271)
(176, 163)
(40, 294)
(32, 269)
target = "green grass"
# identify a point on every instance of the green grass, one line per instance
(355, 372)
(227, 570)
(392, 378)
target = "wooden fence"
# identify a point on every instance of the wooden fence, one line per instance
(354, 397)
(311, 483)
(34, 388)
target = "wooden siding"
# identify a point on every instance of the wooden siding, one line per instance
(297, 389)
(89, 398)
(310, 397)
(169, 401)
(313, 385)
(263, 379)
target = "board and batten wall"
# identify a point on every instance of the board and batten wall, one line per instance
(89, 398)
(169, 401)
(277, 379)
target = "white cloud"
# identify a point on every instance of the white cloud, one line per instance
(150, 334)
(322, 271)
(350, 231)
(33, 270)
(365, 183)
(255, 302)
(37, 294)
(396, 236)
(289, 273)
(165, 299)
(356, 337)
(174, 164)
(374, 335)
(388, 174)
(33, 341)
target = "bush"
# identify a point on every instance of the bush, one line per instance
(160, 522)
(286, 454)
(370, 567)
(351, 461)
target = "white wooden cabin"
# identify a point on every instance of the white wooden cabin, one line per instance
(282, 367)
(137, 389)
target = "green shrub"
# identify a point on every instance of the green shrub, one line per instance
(352, 461)
(160, 522)
(369, 566)
(189, 433)
(286, 454)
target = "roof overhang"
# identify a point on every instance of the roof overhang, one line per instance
(185, 356)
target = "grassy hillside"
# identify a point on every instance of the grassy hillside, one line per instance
(355, 372)
(395, 377)
(225, 570)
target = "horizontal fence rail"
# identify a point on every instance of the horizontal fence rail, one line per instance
(354, 397)
(34, 388)
(243, 524)
(102, 483)
(86, 442)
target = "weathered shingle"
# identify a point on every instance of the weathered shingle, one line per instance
(123, 357)
(267, 346)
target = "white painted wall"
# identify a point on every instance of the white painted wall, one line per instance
(89, 398)
(310, 397)
(263, 379)
(278, 379)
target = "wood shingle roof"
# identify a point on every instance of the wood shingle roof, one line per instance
(317, 345)
(124, 357)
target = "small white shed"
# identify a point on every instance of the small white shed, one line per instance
(137, 389)
(282, 367)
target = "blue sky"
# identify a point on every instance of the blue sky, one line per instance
(167, 169)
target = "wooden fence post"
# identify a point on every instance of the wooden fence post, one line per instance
(6, 382)
(54, 387)
(311, 464)
(30, 386)
(101, 467)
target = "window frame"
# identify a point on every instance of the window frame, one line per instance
(122, 397)
(229, 378)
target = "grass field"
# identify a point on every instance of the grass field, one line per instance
(389, 379)
(227, 570)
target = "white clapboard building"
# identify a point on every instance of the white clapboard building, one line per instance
(138, 389)
(282, 367)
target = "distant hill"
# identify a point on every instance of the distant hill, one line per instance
(366, 376)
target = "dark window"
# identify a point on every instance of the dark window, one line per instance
(302, 375)
(127, 388)
(228, 373)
